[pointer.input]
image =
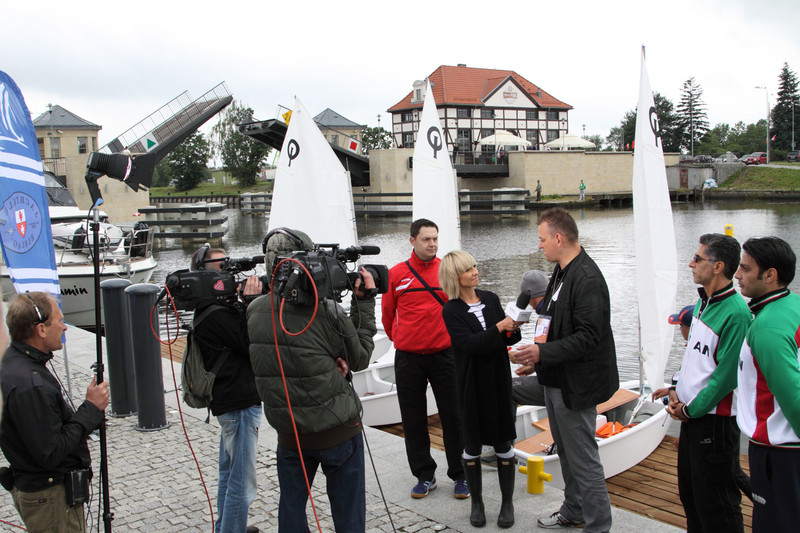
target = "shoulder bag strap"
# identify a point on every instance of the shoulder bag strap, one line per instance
(424, 284)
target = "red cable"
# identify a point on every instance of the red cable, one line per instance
(283, 375)
(175, 384)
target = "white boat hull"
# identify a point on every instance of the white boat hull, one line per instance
(617, 453)
(377, 389)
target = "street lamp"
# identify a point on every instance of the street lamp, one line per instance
(584, 131)
(793, 125)
(766, 92)
(563, 134)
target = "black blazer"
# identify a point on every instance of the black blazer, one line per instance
(579, 356)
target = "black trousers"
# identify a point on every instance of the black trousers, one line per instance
(413, 372)
(775, 476)
(708, 462)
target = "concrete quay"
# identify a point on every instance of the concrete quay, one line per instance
(155, 486)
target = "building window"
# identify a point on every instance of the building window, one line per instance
(552, 135)
(408, 140)
(40, 141)
(94, 144)
(55, 147)
(533, 136)
(486, 133)
(464, 140)
(487, 113)
(335, 140)
(408, 116)
(532, 114)
(82, 146)
(552, 115)
(417, 95)
(462, 113)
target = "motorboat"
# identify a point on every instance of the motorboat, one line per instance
(126, 251)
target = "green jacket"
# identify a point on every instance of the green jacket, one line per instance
(325, 407)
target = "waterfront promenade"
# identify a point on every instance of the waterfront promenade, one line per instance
(154, 484)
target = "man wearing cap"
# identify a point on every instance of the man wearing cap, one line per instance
(525, 389)
(768, 411)
(708, 449)
(683, 318)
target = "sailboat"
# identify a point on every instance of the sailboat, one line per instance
(435, 197)
(656, 282)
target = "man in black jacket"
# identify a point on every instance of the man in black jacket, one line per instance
(577, 365)
(235, 400)
(42, 437)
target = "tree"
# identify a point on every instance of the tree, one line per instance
(747, 138)
(624, 134)
(692, 119)
(597, 140)
(188, 162)
(788, 100)
(375, 138)
(241, 155)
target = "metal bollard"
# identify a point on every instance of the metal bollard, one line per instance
(121, 376)
(147, 358)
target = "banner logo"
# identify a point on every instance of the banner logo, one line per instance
(27, 217)
(435, 139)
(8, 121)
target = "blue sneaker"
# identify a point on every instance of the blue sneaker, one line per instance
(460, 490)
(422, 488)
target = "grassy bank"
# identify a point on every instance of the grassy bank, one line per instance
(765, 178)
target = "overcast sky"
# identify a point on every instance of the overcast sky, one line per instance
(113, 63)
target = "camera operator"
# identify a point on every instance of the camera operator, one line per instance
(235, 400)
(41, 435)
(324, 407)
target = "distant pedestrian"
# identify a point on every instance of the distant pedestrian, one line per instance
(582, 190)
(538, 191)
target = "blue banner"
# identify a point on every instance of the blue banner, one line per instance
(25, 232)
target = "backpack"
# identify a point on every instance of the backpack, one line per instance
(196, 381)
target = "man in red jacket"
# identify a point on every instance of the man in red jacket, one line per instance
(412, 317)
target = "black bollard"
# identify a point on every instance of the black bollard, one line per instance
(147, 357)
(119, 350)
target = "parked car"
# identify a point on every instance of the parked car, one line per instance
(756, 158)
(744, 158)
(702, 158)
(793, 156)
(727, 157)
(686, 159)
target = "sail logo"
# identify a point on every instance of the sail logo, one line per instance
(8, 120)
(435, 140)
(292, 150)
(27, 217)
(655, 125)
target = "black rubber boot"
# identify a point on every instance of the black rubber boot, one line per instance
(472, 473)
(506, 473)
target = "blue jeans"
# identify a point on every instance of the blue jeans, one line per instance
(236, 489)
(343, 466)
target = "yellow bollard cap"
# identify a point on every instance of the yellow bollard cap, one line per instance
(729, 230)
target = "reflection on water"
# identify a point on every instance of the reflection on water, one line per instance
(506, 248)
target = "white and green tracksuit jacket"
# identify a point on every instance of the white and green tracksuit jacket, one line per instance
(768, 398)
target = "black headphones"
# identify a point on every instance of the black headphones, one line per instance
(283, 231)
(200, 262)
(41, 317)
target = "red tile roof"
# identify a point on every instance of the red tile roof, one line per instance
(470, 86)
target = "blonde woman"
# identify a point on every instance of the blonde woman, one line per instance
(480, 333)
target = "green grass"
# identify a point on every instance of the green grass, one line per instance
(765, 178)
(207, 189)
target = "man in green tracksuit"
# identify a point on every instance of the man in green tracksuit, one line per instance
(768, 411)
(708, 450)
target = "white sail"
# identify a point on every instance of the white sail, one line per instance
(656, 256)
(312, 190)
(435, 195)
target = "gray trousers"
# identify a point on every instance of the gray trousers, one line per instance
(585, 494)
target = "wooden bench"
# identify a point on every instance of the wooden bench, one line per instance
(540, 442)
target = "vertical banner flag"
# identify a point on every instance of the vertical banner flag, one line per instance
(312, 190)
(435, 195)
(25, 232)
(654, 231)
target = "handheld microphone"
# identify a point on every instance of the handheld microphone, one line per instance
(517, 310)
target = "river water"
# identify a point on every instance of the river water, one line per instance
(506, 248)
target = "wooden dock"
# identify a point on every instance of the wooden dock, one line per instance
(649, 489)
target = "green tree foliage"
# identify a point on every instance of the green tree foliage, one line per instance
(241, 155)
(187, 163)
(160, 174)
(622, 136)
(692, 118)
(375, 138)
(597, 140)
(788, 98)
(747, 138)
